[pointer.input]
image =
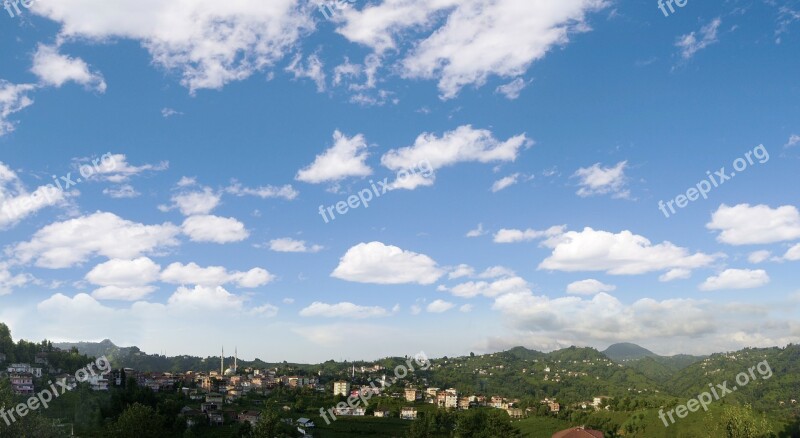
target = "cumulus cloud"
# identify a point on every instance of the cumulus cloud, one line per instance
(464, 144)
(589, 287)
(205, 298)
(603, 317)
(794, 139)
(477, 232)
(9, 282)
(744, 224)
(343, 310)
(623, 253)
(759, 256)
(13, 98)
(598, 180)
(198, 202)
(736, 279)
(16, 203)
(313, 69)
(491, 289)
(65, 244)
(264, 192)
(54, 69)
(439, 306)
(288, 244)
(209, 228)
(379, 263)
(194, 274)
(126, 280)
(346, 158)
(505, 182)
(512, 236)
(125, 191)
(691, 43)
(116, 168)
(471, 40)
(793, 254)
(207, 43)
(513, 89)
(675, 274)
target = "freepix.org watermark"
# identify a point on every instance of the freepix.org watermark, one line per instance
(44, 397)
(758, 155)
(329, 8)
(719, 391)
(49, 194)
(664, 4)
(423, 169)
(12, 6)
(400, 372)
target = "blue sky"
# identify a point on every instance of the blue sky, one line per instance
(543, 134)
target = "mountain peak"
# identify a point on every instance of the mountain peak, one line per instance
(627, 351)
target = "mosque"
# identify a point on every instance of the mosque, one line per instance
(233, 368)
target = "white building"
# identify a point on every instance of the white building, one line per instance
(341, 387)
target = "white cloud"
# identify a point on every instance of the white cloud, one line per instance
(343, 310)
(624, 253)
(465, 144)
(346, 158)
(64, 244)
(264, 192)
(689, 44)
(288, 244)
(599, 180)
(169, 112)
(736, 279)
(589, 287)
(461, 271)
(466, 308)
(13, 98)
(208, 43)
(205, 298)
(195, 203)
(604, 318)
(54, 69)
(194, 274)
(9, 282)
(439, 306)
(122, 293)
(513, 89)
(475, 39)
(759, 224)
(125, 191)
(505, 182)
(214, 229)
(512, 236)
(16, 203)
(793, 140)
(378, 263)
(488, 289)
(118, 272)
(759, 256)
(116, 168)
(477, 232)
(675, 274)
(793, 254)
(314, 70)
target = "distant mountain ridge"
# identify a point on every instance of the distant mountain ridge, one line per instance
(658, 368)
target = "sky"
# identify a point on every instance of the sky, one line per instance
(307, 181)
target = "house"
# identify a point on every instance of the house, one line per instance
(98, 383)
(554, 407)
(408, 413)
(249, 417)
(209, 407)
(515, 413)
(216, 418)
(451, 398)
(41, 359)
(579, 432)
(193, 416)
(350, 412)
(22, 383)
(305, 422)
(25, 368)
(413, 395)
(214, 397)
(381, 413)
(341, 388)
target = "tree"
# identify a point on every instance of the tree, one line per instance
(739, 422)
(138, 421)
(267, 425)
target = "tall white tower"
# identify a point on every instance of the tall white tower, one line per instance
(222, 362)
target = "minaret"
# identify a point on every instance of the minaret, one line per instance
(222, 362)
(235, 359)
